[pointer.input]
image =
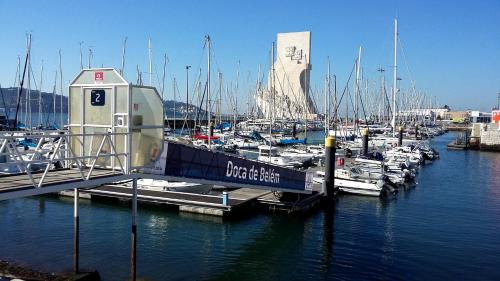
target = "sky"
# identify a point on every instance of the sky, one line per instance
(450, 49)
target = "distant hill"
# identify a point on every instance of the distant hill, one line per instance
(8, 100)
(180, 110)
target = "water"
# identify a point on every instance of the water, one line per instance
(446, 227)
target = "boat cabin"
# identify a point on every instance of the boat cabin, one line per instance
(265, 150)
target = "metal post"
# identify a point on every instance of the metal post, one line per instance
(133, 256)
(400, 138)
(225, 198)
(365, 141)
(328, 184)
(76, 232)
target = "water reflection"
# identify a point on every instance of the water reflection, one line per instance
(327, 243)
(41, 206)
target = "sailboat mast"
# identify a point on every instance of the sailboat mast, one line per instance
(327, 108)
(61, 85)
(305, 98)
(21, 80)
(175, 109)
(54, 97)
(356, 92)
(208, 94)
(40, 97)
(219, 109)
(81, 56)
(273, 98)
(395, 78)
(122, 69)
(163, 78)
(28, 100)
(150, 63)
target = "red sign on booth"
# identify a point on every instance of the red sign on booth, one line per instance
(98, 76)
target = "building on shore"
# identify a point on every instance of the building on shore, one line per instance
(287, 94)
(480, 117)
(486, 136)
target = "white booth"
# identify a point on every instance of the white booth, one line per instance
(103, 105)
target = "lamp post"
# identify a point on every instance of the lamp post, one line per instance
(187, 94)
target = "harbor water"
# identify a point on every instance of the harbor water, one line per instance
(445, 227)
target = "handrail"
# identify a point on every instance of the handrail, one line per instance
(59, 151)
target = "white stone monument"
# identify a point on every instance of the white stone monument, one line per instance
(292, 70)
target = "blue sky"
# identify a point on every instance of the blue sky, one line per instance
(452, 48)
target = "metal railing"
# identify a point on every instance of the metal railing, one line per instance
(56, 149)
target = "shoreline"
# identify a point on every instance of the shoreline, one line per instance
(11, 270)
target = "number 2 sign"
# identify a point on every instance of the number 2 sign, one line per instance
(97, 97)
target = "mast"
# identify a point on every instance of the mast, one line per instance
(219, 109)
(150, 63)
(395, 78)
(40, 121)
(28, 100)
(163, 78)
(54, 96)
(122, 69)
(327, 99)
(81, 55)
(334, 106)
(21, 80)
(208, 95)
(237, 90)
(381, 114)
(325, 104)
(305, 98)
(61, 85)
(175, 101)
(356, 92)
(187, 96)
(273, 101)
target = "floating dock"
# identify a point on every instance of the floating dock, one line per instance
(238, 200)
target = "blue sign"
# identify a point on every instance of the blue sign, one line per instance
(196, 163)
(97, 97)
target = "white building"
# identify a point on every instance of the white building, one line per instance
(480, 117)
(290, 81)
